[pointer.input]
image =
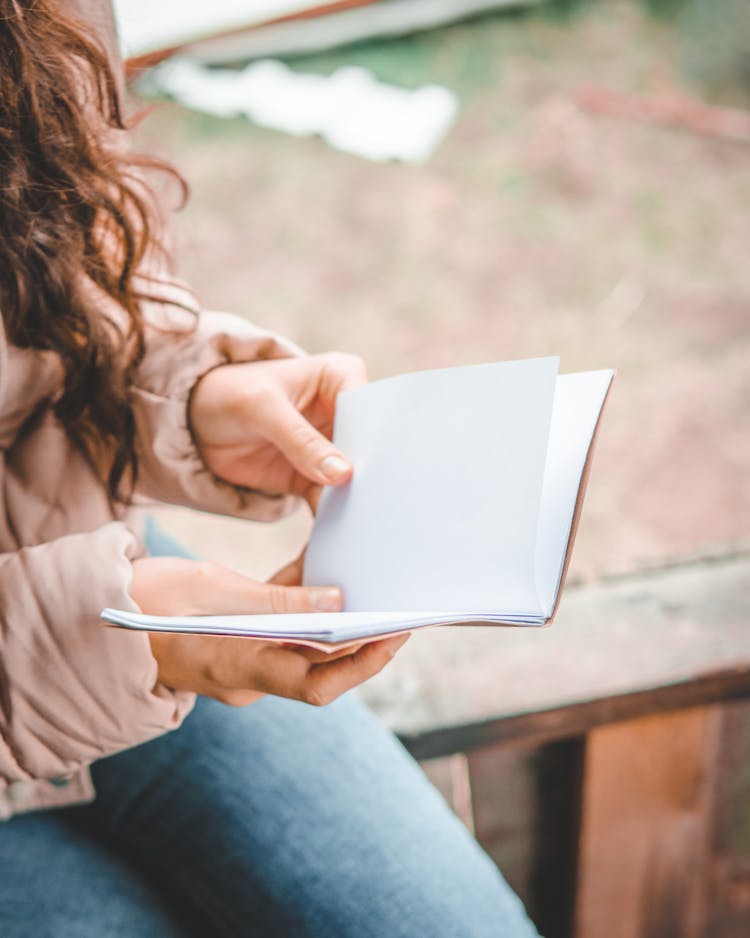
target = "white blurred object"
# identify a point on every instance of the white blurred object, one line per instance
(238, 30)
(145, 26)
(351, 110)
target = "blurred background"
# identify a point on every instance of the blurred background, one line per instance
(552, 219)
(590, 200)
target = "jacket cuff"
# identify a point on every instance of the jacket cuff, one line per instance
(76, 690)
(171, 468)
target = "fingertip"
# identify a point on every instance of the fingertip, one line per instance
(335, 469)
(397, 642)
(326, 598)
(388, 644)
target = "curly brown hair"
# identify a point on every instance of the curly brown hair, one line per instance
(77, 219)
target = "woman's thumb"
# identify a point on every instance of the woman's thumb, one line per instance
(311, 453)
(275, 598)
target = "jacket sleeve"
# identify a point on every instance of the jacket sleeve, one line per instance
(71, 689)
(170, 466)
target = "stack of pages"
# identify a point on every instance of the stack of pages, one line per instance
(467, 488)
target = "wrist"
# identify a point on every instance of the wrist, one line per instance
(162, 648)
(209, 401)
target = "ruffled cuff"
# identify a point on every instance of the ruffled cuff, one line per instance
(170, 466)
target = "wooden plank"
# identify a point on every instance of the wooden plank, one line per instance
(729, 897)
(174, 25)
(578, 719)
(619, 648)
(646, 825)
(526, 817)
(450, 775)
(382, 20)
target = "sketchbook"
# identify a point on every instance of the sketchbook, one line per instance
(467, 489)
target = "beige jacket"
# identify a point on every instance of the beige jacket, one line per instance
(72, 689)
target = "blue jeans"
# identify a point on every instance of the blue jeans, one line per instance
(277, 820)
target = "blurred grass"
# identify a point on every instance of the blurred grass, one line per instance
(712, 39)
(466, 56)
(716, 46)
(707, 42)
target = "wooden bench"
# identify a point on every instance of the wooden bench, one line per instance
(604, 762)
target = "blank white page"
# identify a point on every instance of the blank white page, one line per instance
(578, 403)
(443, 507)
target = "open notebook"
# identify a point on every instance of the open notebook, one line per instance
(467, 488)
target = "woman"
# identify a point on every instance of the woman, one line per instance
(171, 814)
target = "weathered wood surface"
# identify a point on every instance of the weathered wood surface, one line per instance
(619, 649)
(525, 802)
(644, 861)
(639, 673)
(728, 872)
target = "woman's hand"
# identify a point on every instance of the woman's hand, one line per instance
(238, 671)
(267, 424)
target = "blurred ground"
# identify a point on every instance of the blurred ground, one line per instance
(536, 229)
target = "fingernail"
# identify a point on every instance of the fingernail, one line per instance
(333, 467)
(326, 599)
